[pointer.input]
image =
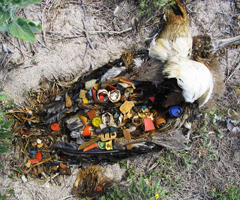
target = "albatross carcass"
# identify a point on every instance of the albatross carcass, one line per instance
(173, 47)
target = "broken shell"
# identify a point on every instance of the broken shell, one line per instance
(68, 102)
(114, 96)
(102, 95)
(160, 122)
(107, 118)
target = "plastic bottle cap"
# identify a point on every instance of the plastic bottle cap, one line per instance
(55, 126)
(160, 122)
(175, 111)
(96, 121)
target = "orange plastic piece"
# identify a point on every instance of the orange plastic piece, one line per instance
(55, 126)
(84, 119)
(91, 114)
(160, 122)
(86, 131)
(94, 145)
(128, 82)
(94, 94)
(38, 156)
(110, 87)
(148, 123)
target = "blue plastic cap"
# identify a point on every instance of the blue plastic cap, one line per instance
(175, 111)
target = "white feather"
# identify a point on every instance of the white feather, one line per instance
(112, 73)
(193, 77)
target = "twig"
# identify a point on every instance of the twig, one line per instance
(84, 11)
(50, 179)
(109, 32)
(86, 35)
(43, 30)
(85, 51)
(237, 67)
(42, 45)
(67, 197)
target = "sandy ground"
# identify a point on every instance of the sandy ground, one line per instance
(63, 51)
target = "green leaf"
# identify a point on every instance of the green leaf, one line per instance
(3, 96)
(3, 16)
(35, 26)
(25, 3)
(4, 28)
(8, 123)
(20, 29)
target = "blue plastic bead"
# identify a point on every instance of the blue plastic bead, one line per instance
(32, 151)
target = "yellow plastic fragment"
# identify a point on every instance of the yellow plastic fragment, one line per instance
(40, 145)
(85, 101)
(109, 145)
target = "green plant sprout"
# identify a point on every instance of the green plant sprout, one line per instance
(18, 27)
(5, 125)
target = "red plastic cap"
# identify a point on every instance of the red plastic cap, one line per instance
(148, 123)
(55, 126)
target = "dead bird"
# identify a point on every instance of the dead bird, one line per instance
(173, 47)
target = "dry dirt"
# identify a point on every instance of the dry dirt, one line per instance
(62, 51)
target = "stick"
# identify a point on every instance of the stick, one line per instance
(86, 35)
(109, 32)
(236, 68)
(51, 179)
